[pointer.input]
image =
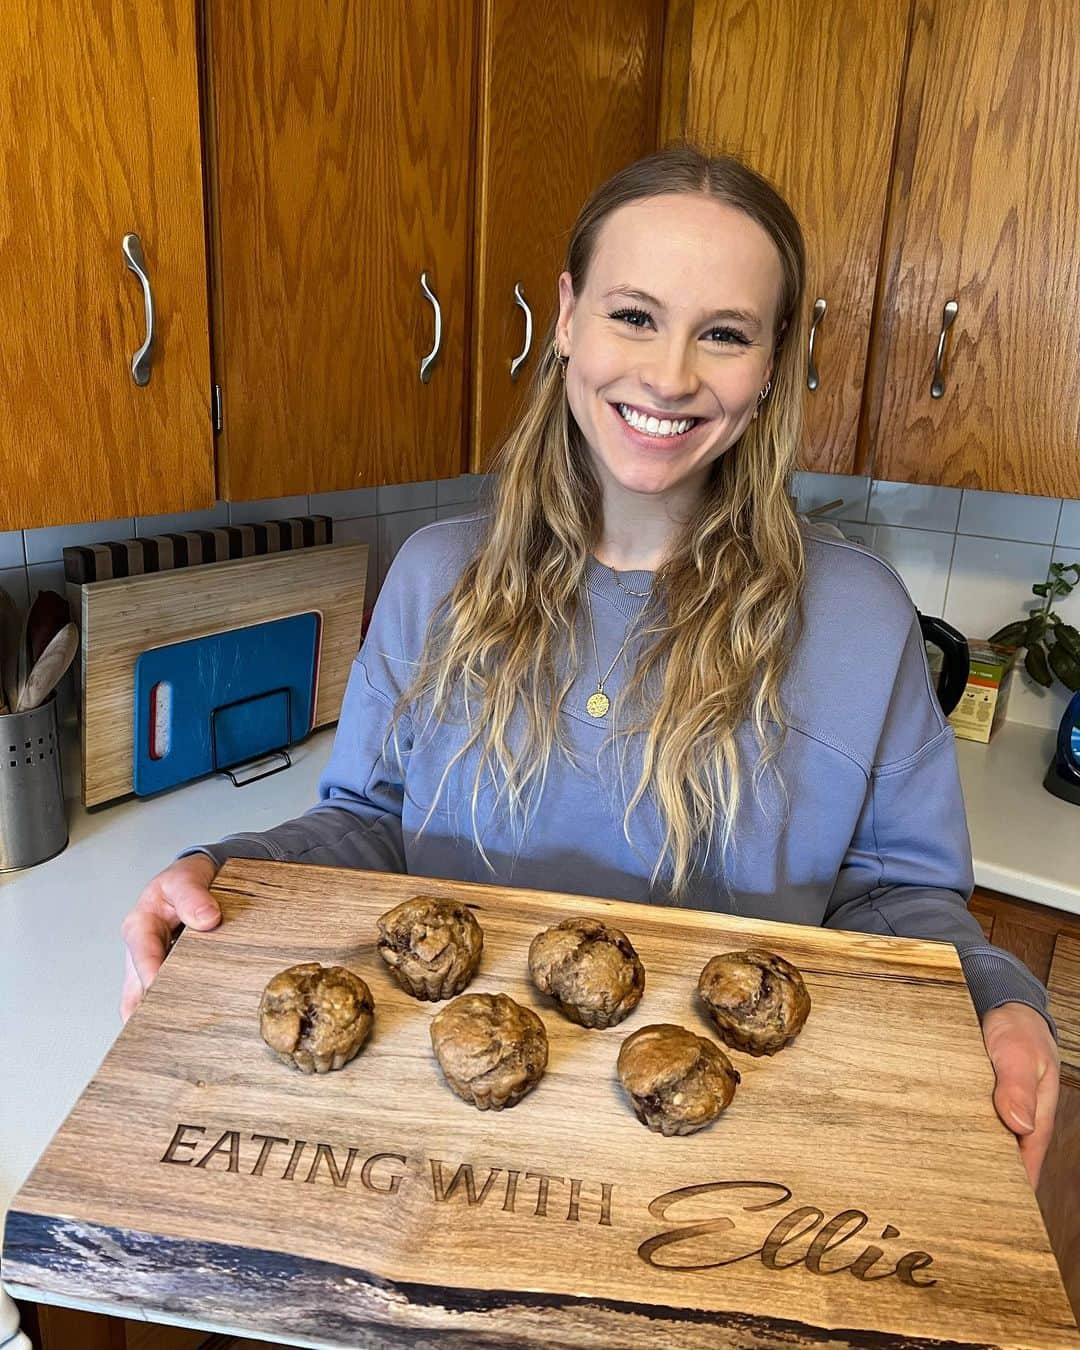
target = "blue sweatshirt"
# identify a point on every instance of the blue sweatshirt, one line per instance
(874, 838)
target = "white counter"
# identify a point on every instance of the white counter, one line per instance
(60, 958)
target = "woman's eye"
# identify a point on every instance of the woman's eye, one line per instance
(728, 335)
(636, 318)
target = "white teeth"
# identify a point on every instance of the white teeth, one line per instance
(655, 426)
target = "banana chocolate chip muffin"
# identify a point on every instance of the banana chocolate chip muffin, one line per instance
(491, 1049)
(433, 946)
(678, 1082)
(757, 999)
(316, 1017)
(590, 969)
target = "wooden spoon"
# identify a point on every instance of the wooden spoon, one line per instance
(49, 669)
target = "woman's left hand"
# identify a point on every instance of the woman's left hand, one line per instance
(1026, 1066)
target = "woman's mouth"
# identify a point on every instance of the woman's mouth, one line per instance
(653, 428)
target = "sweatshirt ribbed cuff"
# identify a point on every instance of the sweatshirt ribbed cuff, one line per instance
(995, 977)
(236, 846)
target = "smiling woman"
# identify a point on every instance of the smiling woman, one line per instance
(636, 675)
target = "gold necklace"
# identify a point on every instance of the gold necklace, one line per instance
(599, 703)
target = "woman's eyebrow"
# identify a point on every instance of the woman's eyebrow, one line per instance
(744, 316)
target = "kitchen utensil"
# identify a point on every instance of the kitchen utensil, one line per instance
(48, 670)
(33, 821)
(122, 618)
(48, 614)
(10, 628)
(956, 660)
(213, 702)
(319, 1205)
(1063, 776)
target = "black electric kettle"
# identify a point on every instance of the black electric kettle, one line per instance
(956, 660)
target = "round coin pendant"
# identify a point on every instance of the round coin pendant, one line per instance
(598, 704)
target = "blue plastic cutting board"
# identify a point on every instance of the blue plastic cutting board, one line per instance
(216, 672)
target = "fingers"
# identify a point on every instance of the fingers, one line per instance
(1034, 1146)
(146, 933)
(132, 992)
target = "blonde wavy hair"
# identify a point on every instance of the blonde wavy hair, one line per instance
(500, 653)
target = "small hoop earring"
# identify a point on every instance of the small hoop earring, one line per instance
(563, 361)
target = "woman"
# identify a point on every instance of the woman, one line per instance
(636, 676)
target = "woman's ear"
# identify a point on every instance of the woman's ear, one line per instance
(563, 325)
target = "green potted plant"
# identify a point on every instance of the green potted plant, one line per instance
(1053, 646)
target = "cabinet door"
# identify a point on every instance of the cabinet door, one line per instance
(807, 91)
(987, 214)
(569, 93)
(341, 175)
(101, 118)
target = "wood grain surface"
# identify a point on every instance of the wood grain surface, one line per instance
(101, 119)
(985, 211)
(807, 93)
(121, 618)
(342, 147)
(859, 1190)
(568, 94)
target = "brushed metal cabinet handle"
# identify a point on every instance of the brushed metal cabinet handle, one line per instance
(948, 314)
(812, 380)
(429, 360)
(519, 360)
(142, 361)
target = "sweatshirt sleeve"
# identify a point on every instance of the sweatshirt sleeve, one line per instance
(908, 870)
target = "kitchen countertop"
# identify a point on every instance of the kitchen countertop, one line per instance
(60, 958)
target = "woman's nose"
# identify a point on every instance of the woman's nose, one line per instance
(670, 371)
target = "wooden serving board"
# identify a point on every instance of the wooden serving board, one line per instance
(859, 1190)
(121, 618)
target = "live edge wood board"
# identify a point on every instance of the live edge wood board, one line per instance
(858, 1191)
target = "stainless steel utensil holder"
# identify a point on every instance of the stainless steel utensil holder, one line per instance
(33, 819)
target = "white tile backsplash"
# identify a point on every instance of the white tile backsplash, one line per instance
(11, 549)
(47, 544)
(1007, 515)
(990, 582)
(915, 505)
(818, 489)
(922, 557)
(268, 508)
(394, 529)
(352, 504)
(364, 530)
(399, 497)
(213, 519)
(1068, 533)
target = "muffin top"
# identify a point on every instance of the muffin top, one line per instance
(755, 993)
(678, 1081)
(587, 964)
(429, 935)
(321, 1010)
(483, 1038)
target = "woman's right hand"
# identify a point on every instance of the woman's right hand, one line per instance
(179, 895)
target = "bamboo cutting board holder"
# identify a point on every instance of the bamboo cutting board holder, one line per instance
(859, 1190)
(119, 619)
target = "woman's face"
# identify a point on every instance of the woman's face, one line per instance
(670, 340)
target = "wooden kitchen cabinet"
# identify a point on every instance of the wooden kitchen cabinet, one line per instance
(101, 117)
(340, 164)
(1048, 942)
(985, 211)
(806, 91)
(568, 93)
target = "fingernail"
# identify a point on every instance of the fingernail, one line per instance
(206, 913)
(1026, 1125)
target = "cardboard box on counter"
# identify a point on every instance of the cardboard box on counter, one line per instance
(981, 709)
